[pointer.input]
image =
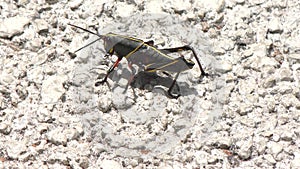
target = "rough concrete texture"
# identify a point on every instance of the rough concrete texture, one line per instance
(245, 114)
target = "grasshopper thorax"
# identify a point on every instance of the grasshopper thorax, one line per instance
(122, 46)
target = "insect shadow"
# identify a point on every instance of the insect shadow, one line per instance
(151, 81)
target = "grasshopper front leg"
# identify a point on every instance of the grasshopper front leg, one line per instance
(111, 69)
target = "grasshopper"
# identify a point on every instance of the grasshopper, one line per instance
(145, 55)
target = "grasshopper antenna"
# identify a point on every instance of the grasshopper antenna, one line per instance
(87, 45)
(100, 37)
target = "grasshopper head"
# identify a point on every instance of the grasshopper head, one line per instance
(107, 43)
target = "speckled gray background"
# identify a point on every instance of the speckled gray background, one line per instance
(245, 114)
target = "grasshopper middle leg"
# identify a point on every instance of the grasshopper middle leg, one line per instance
(172, 86)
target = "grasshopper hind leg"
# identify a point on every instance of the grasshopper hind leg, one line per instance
(186, 48)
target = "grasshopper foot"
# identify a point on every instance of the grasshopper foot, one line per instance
(204, 74)
(172, 95)
(100, 82)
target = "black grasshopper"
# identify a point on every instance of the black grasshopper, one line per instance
(145, 55)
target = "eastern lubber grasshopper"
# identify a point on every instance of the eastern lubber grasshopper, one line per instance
(145, 55)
